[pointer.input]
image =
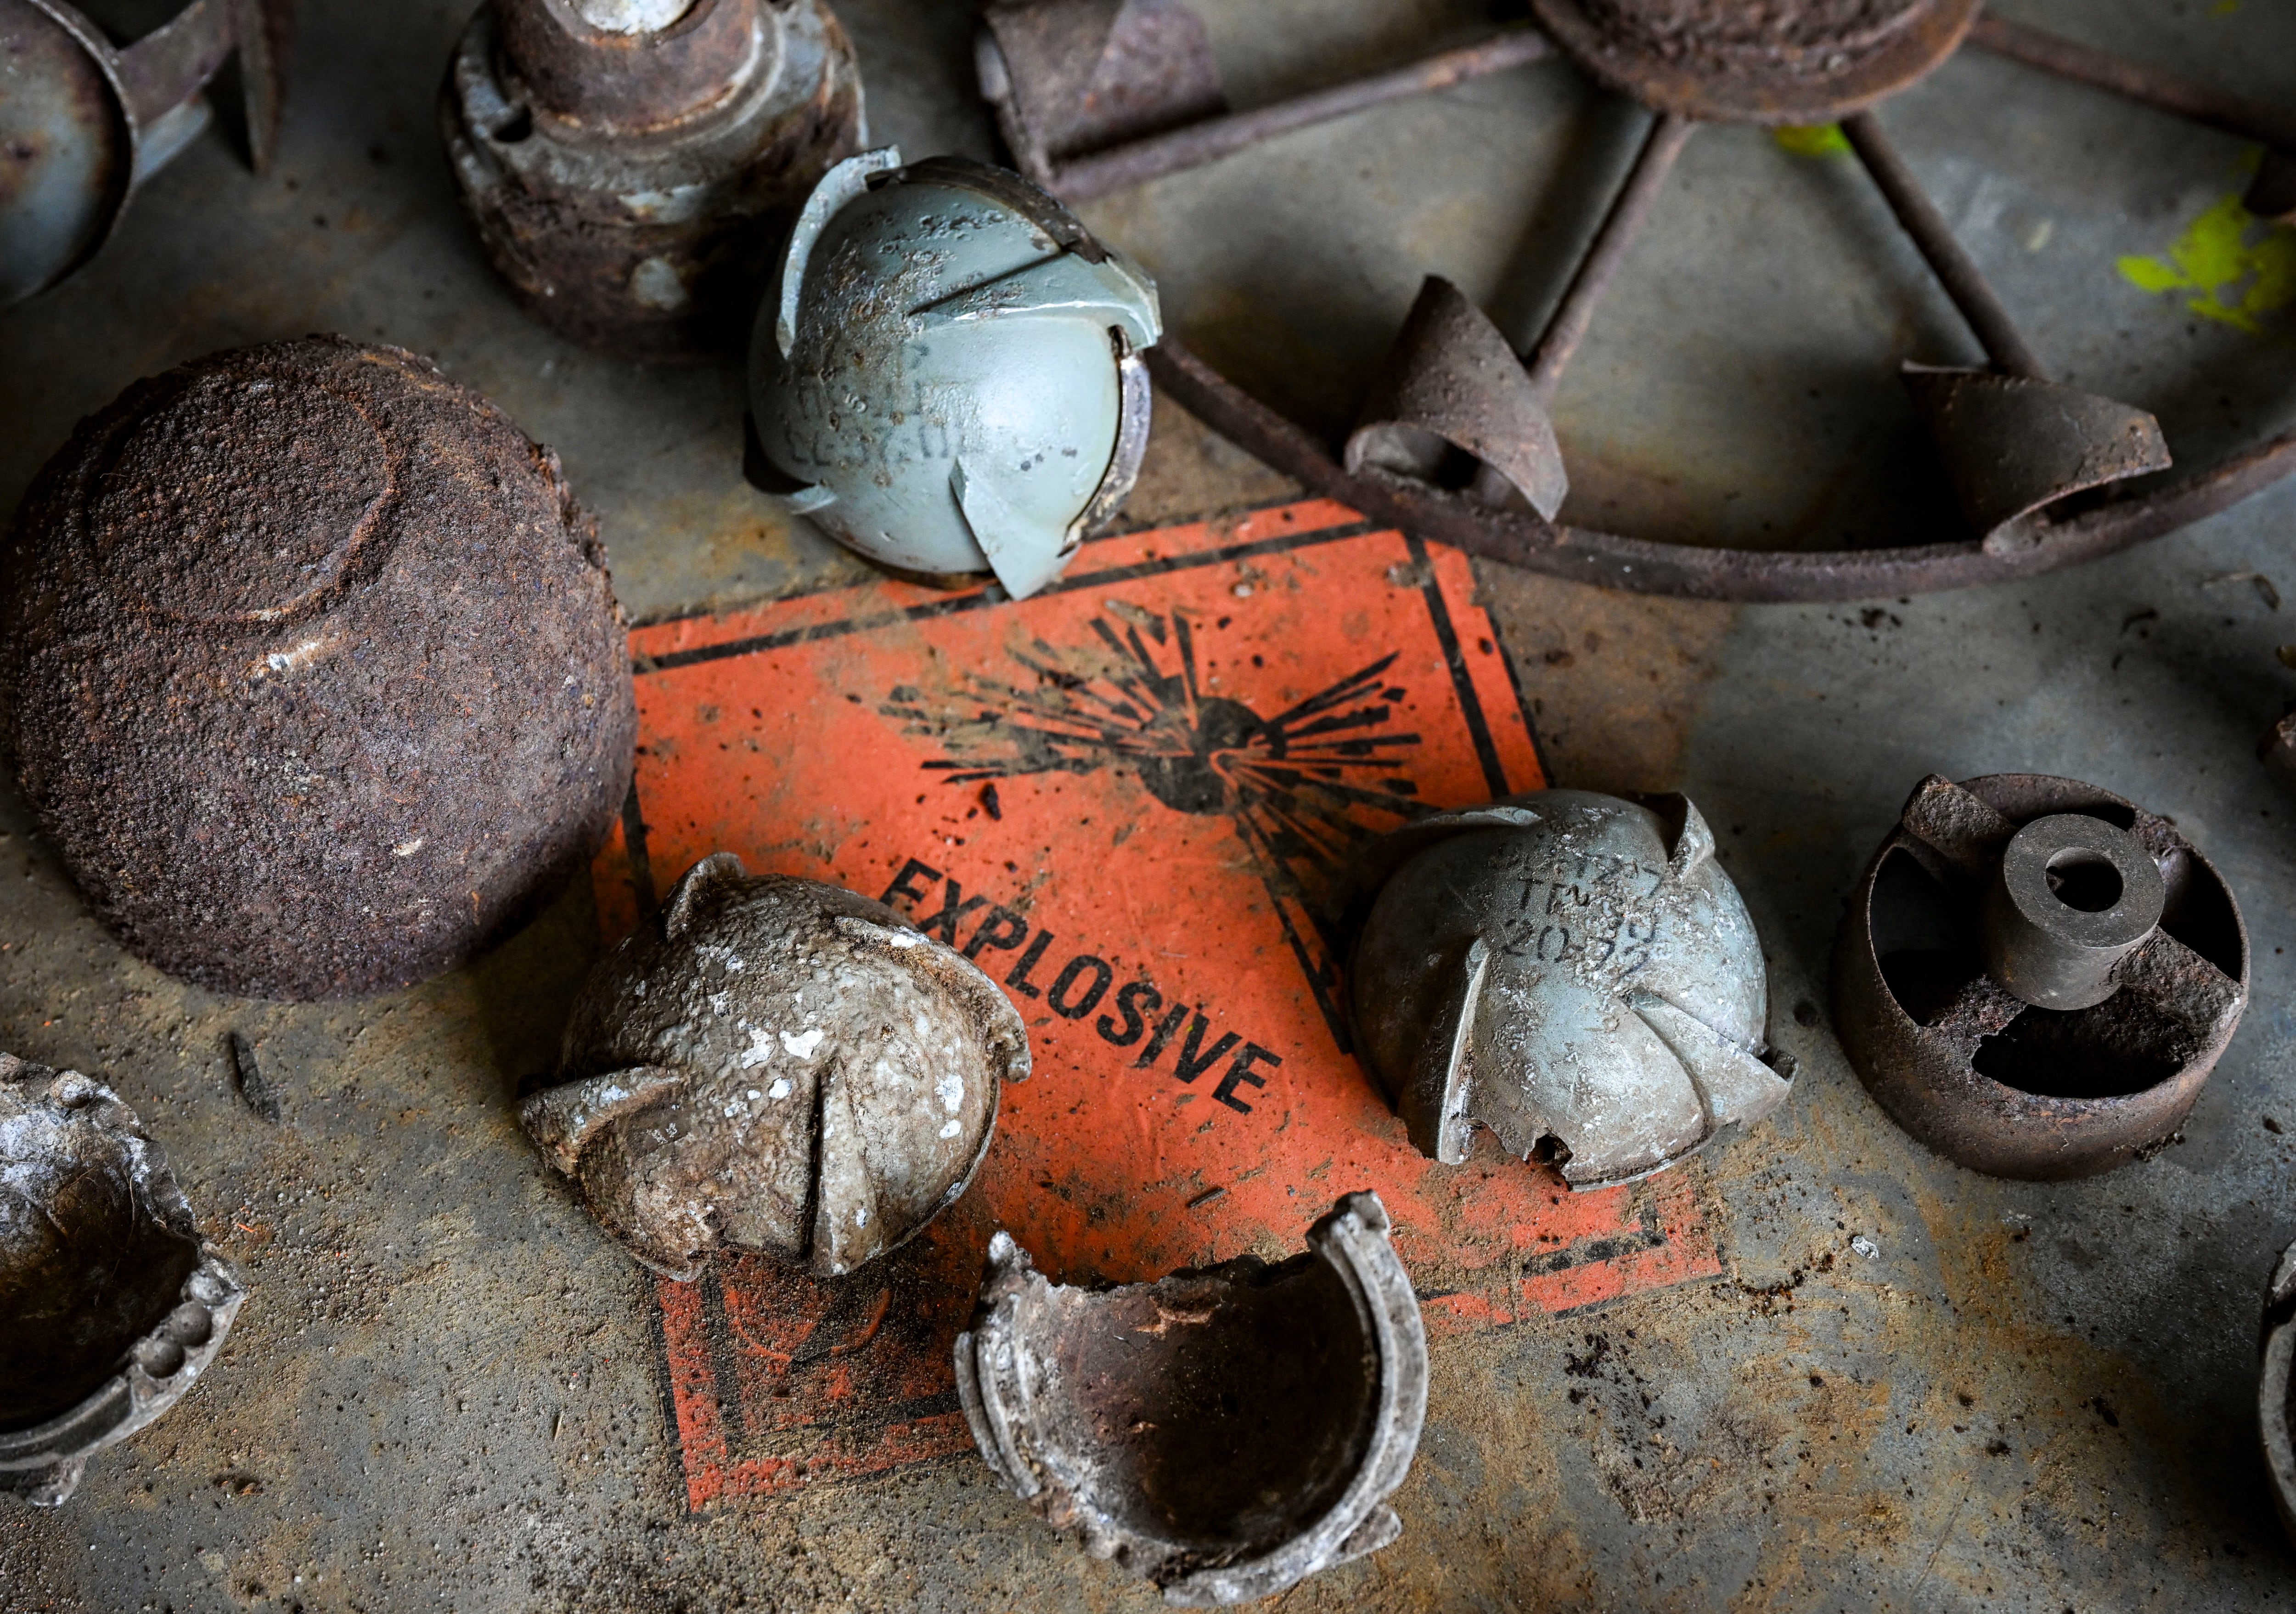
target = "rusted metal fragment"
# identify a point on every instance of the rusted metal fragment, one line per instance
(110, 1304)
(1970, 1063)
(2014, 445)
(1571, 971)
(776, 1064)
(1452, 385)
(312, 670)
(1223, 1433)
(1725, 62)
(82, 122)
(630, 183)
(2275, 1391)
(2277, 750)
(1066, 77)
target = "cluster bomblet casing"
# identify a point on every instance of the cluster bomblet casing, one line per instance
(946, 374)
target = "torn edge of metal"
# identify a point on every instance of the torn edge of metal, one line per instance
(2035, 976)
(1641, 565)
(2276, 1410)
(1224, 1433)
(60, 1120)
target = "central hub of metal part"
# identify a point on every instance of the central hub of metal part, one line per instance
(2035, 978)
(2072, 897)
(1773, 61)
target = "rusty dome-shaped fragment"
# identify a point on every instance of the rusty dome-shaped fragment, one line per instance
(312, 670)
(776, 1064)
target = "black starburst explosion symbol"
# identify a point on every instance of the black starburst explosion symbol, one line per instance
(1305, 788)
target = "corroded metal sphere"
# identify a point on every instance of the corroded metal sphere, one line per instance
(311, 669)
(776, 1064)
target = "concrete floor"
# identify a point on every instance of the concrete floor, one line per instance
(444, 1393)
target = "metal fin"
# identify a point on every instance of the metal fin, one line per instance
(1110, 292)
(849, 179)
(1003, 534)
(561, 1120)
(1452, 381)
(2014, 445)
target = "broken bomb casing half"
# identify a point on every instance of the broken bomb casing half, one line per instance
(776, 1064)
(1572, 970)
(312, 670)
(110, 1304)
(1224, 1433)
(627, 163)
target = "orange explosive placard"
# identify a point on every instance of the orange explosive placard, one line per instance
(1133, 800)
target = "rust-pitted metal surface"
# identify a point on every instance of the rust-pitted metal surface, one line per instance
(1571, 971)
(628, 183)
(111, 1303)
(1224, 1433)
(778, 1065)
(1949, 947)
(83, 121)
(312, 670)
(1773, 61)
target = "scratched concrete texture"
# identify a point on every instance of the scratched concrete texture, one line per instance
(443, 1393)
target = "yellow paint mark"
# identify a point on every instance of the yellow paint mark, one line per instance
(2224, 8)
(2239, 270)
(1812, 140)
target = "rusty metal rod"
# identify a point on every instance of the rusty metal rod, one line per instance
(1121, 167)
(1567, 327)
(2085, 64)
(1955, 269)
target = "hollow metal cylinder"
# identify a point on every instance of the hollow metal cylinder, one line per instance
(2073, 895)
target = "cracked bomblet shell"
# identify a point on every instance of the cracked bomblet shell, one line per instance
(1571, 971)
(776, 1064)
(946, 374)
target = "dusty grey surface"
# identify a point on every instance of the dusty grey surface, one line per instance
(443, 1393)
